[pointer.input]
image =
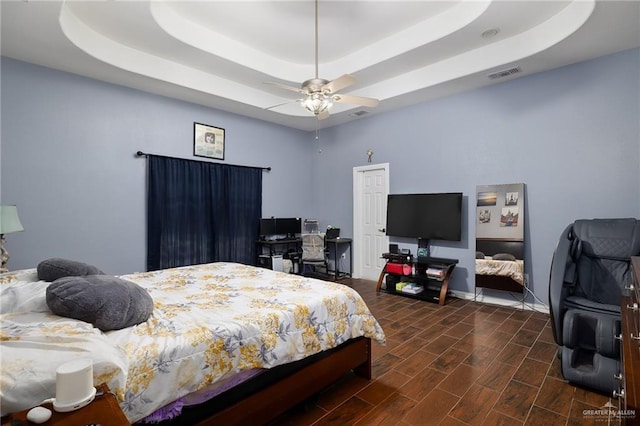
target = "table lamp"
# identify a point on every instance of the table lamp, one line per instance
(9, 222)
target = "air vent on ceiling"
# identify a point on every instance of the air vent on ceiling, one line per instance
(505, 73)
(359, 113)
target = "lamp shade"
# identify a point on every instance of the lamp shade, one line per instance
(9, 221)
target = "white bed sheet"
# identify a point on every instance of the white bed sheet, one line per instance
(513, 269)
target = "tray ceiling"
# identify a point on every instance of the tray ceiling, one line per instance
(221, 53)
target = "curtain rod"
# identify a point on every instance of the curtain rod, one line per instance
(145, 154)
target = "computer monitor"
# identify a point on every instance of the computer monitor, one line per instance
(288, 226)
(267, 226)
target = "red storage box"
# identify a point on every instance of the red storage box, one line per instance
(399, 268)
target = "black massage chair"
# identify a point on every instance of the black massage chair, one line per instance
(589, 272)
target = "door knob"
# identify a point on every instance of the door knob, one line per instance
(382, 230)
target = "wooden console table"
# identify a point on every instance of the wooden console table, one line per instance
(435, 289)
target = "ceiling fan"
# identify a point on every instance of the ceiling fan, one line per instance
(320, 94)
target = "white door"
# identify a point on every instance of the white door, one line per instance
(370, 190)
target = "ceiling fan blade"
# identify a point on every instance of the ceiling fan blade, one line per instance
(284, 86)
(284, 103)
(356, 100)
(323, 115)
(339, 83)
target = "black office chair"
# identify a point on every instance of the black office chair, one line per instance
(589, 270)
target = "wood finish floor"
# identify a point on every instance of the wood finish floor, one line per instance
(464, 363)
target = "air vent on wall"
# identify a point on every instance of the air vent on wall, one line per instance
(505, 73)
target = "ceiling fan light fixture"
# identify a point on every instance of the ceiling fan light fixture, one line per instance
(317, 103)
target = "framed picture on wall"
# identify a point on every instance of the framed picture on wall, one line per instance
(509, 216)
(487, 198)
(208, 141)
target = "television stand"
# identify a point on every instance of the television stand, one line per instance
(424, 278)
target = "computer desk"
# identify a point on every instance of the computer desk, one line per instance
(336, 242)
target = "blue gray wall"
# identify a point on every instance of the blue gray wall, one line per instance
(571, 135)
(68, 163)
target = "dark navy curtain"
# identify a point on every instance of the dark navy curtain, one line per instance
(199, 212)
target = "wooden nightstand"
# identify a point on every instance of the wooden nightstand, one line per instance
(103, 410)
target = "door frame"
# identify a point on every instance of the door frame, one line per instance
(358, 174)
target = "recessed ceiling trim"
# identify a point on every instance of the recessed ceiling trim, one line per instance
(428, 31)
(500, 53)
(214, 43)
(453, 19)
(136, 61)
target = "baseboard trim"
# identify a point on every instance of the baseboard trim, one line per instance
(516, 301)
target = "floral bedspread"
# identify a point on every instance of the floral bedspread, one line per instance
(209, 322)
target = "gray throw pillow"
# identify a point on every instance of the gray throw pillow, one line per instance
(503, 256)
(54, 268)
(479, 255)
(107, 302)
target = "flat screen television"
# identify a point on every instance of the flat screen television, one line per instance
(426, 216)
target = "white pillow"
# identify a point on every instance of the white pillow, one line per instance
(21, 291)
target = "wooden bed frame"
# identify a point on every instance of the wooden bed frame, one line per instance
(490, 247)
(262, 399)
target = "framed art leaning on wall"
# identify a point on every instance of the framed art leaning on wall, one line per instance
(208, 141)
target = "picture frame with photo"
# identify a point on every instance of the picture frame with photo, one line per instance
(208, 141)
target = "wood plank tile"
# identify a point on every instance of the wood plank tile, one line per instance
(393, 378)
(341, 391)
(433, 332)
(475, 405)
(376, 392)
(495, 418)
(535, 324)
(525, 367)
(388, 411)
(384, 364)
(512, 354)
(432, 409)
(556, 396)
(580, 415)
(422, 384)
(409, 347)
(415, 363)
(540, 416)
(543, 351)
(510, 326)
(440, 344)
(347, 413)
(460, 379)
(449, 360)
(482, 356)
(459, 330)
(525, 337)
(497, 375)
(531, 372)
(516, 400)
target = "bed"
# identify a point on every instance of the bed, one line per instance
(210, 325)
(500, 264)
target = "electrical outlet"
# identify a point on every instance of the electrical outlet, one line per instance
(343, 256)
